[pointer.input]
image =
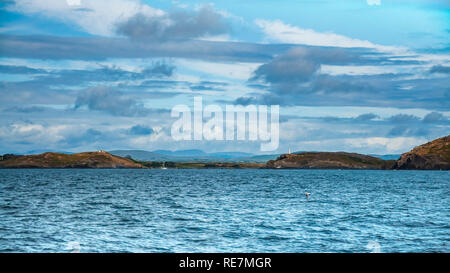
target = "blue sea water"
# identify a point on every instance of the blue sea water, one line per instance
(224, 211)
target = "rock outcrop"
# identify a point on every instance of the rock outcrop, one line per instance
(434, 155)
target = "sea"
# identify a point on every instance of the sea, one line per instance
(223, 210)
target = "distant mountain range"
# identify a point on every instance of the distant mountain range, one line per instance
(193, 156)
(196, 153)
(201, 156)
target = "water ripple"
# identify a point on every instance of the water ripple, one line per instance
(224, 210)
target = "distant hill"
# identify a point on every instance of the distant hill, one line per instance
(193, 156)
(384, 157)
(256, 158)
(201, 156)
(182, 153)
(434, 155)
(58, 160)
(230, 155)
(142, 155)
(328, 160)
(162, 155)
(200, 153)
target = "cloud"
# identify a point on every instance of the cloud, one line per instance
(403, 118)
(174, 25)
(104, 74)
(100, 48)
(109, 100)
(434, 117)
(388, 145)
(373, 2)
(140, 130)
(159, 69)
(366, 117)
(28, 133)
(286, 74)
(245, 101)
(295, 78)
(407, 131)
(410, 125)
(61, 86)
(278, 31)
(208, 86)
(294, 66)
(373, 91)
(88, 136)
(298, 65)
(20, 93)
(25, 109)
(17, 69)
(440, 69)
(95, 17)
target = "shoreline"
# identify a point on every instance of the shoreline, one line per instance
(220, 168)
(434, 155)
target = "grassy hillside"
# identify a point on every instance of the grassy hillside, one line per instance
(59, 160)
(328, 160)
(434, 155)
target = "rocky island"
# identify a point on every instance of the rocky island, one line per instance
(434, 155)
(328, 160)
(100, 160)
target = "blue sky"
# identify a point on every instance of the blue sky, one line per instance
(360, 76)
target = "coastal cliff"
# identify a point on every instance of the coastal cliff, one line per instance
(434, 155)
(329, 160)
(99, 160)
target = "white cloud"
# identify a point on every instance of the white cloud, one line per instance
(95, 17)
(279, 31)
(217, 38)
(370, 145)
(285, 33)
(366, 69)
(387, 145)
(36, 133)
(374, 2)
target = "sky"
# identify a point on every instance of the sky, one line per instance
(366, 76)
